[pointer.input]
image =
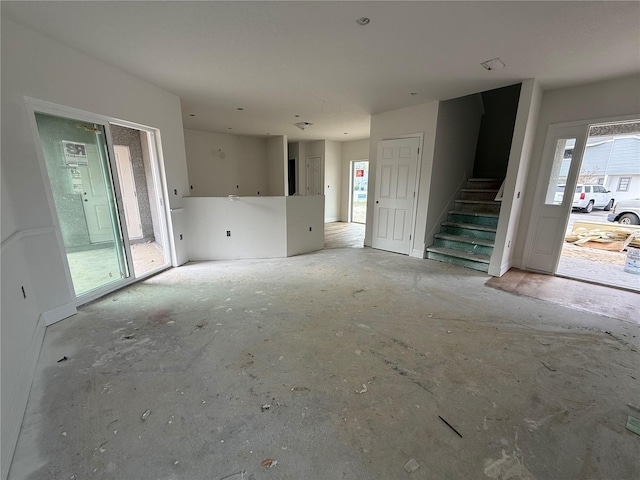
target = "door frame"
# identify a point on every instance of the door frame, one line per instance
(554, 131)
(34, 106)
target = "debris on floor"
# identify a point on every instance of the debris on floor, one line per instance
(265, 407)
(549, 367)
(269, 462)
(449, 425)
(146, 414)
(633, 424)
(364, 389)
(616, 239)
(412, 465)
(63, 359)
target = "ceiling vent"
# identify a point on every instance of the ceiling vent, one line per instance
(303, 125)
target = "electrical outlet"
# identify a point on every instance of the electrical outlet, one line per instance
(309, 228)
(191, 186)
(175, 191)
(228, 233)
(24, 294)
(180, 236)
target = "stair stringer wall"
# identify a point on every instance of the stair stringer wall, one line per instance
(456, 138)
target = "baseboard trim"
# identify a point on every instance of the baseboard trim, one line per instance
(417, 253)
(59, 313)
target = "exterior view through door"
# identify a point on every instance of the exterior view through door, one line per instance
(396, 174)
(359, 183)
(86, 186)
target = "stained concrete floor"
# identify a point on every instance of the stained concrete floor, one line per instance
(536, 390)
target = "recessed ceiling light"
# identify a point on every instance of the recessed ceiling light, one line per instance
(493, 64)
(192, 114)
(363, 21)
(346, 133)
(240, 108)
(297, 116)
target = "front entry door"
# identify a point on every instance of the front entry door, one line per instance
(561, 161)
(395, 194)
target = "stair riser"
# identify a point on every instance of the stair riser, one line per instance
(489, 184)
(477, 207)
(475, 220)
(482, 267)
(463, 246)
(484, 196)
(469, 232)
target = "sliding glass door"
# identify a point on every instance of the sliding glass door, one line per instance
(82, 184)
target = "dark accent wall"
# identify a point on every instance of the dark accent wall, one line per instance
(496, 132)
(131, 138)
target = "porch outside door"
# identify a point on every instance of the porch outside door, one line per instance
(128, 189)
(396, 173)
(553, 200)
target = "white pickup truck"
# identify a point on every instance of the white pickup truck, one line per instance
(587, 197)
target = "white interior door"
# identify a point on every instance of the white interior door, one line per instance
(552, 204)
(128, 191)
(395, 194)
(314, 176)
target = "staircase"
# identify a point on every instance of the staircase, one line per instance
(468, 235)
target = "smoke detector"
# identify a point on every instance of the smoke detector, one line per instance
(303, 125)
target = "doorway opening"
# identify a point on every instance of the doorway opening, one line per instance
(602, 223)
(107, 200)
(140, 189)
(359, 186)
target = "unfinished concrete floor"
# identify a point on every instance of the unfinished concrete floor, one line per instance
(357, 352)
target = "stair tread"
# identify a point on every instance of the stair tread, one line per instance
(463, 238)
(488, 202)
(474, 214)
(480, 190)
(460, 254)
(470, 226)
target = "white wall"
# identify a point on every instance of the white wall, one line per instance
(277, 165)
(220, 164)
(305, 224)
(597, 101)
(453, 158)
(260, 227)
(332, 180)
(420, 119)
(351, 151)
(38, 67)
(257, 225)
(524, 133)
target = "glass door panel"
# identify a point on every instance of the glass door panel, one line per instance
(77, 161)
(360, 177)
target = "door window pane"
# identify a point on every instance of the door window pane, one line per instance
(562, 159)
(77, 162)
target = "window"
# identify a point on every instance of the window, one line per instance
(623, 184)
(587, 189)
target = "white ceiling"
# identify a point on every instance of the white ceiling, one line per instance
(280, 59)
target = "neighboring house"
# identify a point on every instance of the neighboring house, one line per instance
(613, 162)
